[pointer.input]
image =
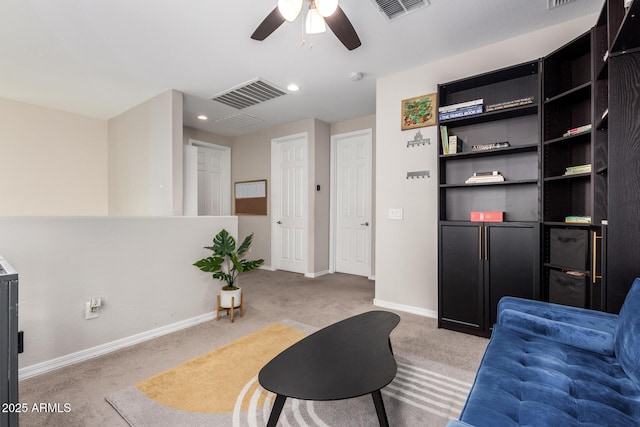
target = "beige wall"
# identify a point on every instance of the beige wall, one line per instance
(407, 250)
(141, 267)
(145, 158)
(53, 162)
(322, 216)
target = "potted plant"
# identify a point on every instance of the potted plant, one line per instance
(226, 263)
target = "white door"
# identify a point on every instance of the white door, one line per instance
(352, 201)
(289, 201)
(213, 182)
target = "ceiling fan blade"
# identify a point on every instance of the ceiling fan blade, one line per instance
(269, 25)
(342, 28)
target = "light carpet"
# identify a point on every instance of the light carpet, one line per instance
(220, 388)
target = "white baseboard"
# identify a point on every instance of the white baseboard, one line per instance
(266, 267)
(89, 353)
(318, 274)
(372, 278)
(407, 308)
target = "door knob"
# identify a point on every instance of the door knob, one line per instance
(279, 222)
(366, 224)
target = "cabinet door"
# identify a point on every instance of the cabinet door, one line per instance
(461, 285)
(511, 264)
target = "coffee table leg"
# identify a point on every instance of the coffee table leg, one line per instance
(275, 411)
(379, 404)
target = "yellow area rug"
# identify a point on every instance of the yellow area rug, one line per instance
(220, 388)
(222, 373)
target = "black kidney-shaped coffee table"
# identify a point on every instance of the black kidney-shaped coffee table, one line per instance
(348, 359)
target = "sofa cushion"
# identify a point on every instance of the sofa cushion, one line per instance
(528, 380)
(627, 342)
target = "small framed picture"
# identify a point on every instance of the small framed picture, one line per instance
(419, 112)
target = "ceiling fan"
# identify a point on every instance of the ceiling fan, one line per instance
(319, 13)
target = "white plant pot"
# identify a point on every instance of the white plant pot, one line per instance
(225, 298)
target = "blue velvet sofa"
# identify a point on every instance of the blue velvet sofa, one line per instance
(554, 365)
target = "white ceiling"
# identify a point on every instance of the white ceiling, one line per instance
(101, 57)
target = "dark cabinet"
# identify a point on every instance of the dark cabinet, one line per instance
(479, 264)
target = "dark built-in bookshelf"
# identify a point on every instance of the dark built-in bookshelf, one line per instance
(568, 98)
(502, 258)
(571, 231)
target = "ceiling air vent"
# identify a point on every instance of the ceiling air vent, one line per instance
(392, 9)
(238, 121)
(555, 3)
(247, 94)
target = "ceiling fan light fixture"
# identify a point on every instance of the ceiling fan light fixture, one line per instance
(326, 7)
(314, 21)
(290, 9)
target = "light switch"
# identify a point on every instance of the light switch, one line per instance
(395, 213)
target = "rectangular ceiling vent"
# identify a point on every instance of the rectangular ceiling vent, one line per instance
(238, 121)
(393, 9)
(555, 3)
(247, 94)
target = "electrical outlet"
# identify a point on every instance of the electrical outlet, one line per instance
(91, 312)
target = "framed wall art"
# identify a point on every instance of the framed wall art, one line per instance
(419, 111)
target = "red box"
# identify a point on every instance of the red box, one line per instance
(487, 216)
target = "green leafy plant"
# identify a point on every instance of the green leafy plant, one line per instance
(226, 263)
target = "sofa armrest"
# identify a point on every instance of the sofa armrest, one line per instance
(586, 329)
(456, 423)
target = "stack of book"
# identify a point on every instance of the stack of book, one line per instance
(462, 109)
(509, 104)
(574, 170)
(485, 177)
(575, 131)
(578, 219)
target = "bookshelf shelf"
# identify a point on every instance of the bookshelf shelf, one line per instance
(488, 153)
(507, 113)
(571, 95)
(568, 177)
(577, 138)
(491, 184)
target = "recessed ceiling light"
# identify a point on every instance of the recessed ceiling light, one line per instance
(203, 117)
(293, 87)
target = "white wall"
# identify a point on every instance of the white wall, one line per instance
(141, 267)
(53, 162)
(407, 257)
(145, 158)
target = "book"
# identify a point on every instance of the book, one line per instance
(491, 173)
(487, 216)
(455, 144)
(491, 146)
(444, 136)
(470, 111)
(573, 170)
(459, 106)
(483, 179)
(509, 104)
(575, 131)
(578, 219)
